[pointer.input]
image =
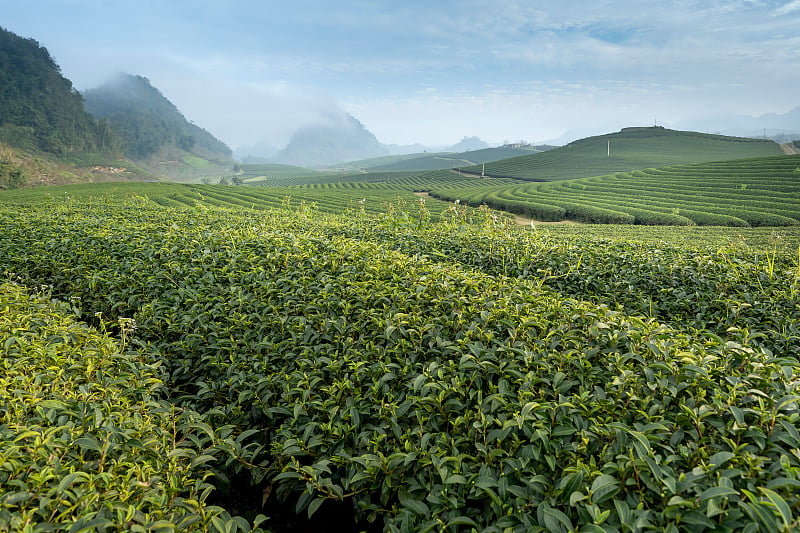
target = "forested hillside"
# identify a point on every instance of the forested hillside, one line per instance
(39, 108)
(147, 121)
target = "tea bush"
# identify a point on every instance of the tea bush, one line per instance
(85, 443)
(448, 379)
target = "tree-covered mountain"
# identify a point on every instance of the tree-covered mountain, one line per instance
(147, 121)
(39, 108)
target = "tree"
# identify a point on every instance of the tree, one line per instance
(11, 176)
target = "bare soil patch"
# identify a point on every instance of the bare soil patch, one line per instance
(524, 221)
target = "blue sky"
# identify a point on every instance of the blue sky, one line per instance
(432, 72)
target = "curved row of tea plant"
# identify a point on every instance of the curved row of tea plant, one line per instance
(355, 201)
(784, 241)
(442, 179)
(348, 197)
(320, 178)
(426, 395)
(85, 443)
(754, 192)
(714, 287)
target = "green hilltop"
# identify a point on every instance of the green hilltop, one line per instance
(444, 160)
(626, 150)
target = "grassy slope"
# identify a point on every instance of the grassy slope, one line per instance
(44, 169)
(455, 160)
(266, 171)
(631, 148)
(385, 160)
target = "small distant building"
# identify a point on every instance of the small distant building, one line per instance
(520, 144)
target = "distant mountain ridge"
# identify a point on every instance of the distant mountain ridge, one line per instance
(468, 144)
(780, 126)
(342, 139)
(147, 121)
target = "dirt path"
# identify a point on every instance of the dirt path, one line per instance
(523, 221)
(790, 149)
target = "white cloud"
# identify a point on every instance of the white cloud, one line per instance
(250, 70)
(535, 112)
(788, 8)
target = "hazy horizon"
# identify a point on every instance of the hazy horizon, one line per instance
(252, 72)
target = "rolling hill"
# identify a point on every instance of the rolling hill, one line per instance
(626, 150)
(761, 191)
(445, 160)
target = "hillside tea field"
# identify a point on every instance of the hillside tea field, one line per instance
(449, 373)
(626, 150)
(744, 192)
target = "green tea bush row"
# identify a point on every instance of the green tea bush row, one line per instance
(714, 288)
(753, 192)
(85, 442)
(427, 395)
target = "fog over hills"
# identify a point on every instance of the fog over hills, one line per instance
(147, 120)
(783, 127)
(468, 144)
(341, 138)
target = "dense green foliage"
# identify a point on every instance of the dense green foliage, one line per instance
(631, 148)
(460, 375)
(85, 443)
(39, 108)
(11, 176)
(146, 120)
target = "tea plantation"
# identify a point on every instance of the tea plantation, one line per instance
(225, 368)
(743, 192)
(626, 150)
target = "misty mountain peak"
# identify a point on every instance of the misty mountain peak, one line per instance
(338, 137)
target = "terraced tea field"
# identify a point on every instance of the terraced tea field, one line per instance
(225, 368)
(323, 195)
(744, 192)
